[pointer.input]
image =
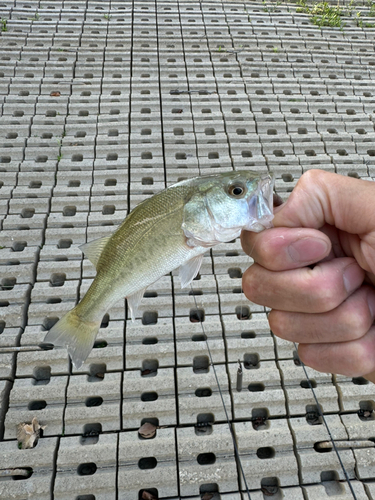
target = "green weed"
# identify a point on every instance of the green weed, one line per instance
(323, 14)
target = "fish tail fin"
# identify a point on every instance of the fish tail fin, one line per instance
(77, 335)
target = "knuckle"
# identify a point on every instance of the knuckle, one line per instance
(355, 324)
(361, 360)
(327, 300)
(356, 319)
(311, 177)
(249, 284)
(325, 290)
(278, 323)
(322, 298)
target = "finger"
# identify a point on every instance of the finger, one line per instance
(322, 197)
(283, 248)
(351, 320)
(316, 290)
(353, 359)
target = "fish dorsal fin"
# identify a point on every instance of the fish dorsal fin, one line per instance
(93, 249)
(189, 270)
(133, 302)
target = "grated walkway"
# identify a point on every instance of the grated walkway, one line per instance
(102, 104)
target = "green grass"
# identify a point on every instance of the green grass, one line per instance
(3, 24)
(324, 14)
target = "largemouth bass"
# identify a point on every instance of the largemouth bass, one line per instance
(173, 228)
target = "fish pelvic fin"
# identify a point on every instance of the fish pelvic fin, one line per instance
(77, 335)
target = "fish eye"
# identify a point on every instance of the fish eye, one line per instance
(236, 190)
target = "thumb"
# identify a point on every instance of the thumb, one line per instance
(324, 198)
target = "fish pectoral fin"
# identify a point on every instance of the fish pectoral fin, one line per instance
(94, 249)
(189, 270)
(133, 302)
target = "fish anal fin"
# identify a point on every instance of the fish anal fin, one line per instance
(94, 249)
(189, 270)
(133, 302)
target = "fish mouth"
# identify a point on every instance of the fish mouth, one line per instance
(261, 205)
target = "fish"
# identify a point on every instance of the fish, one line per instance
(171, 229)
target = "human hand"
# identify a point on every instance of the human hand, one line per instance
(329, 308)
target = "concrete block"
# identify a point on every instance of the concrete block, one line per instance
(299, 394)
(198, 392)
(314, 466)
(108, 204)
(38, 363)
(286, 182)
(57, 273)
(106, 219)
(12, 294)
(237, 303)
(267, 453)
(206, 459)
(149, 394)
(261, 391)
(310, 149)
(6, 191)
(65, 237)
(16, 238)
(38, 461)
(360, 428)
(147, 464)
(234, 265)
(68, 218)
(92, 402)
(18, 254)
(24, 222)
(334, 487)
(28, 206)
(249, 337)
(5, 388)
(72, 183)
(191, 341)
(149, 341)
(67, 206)
(90, 464)
(354, 393)
(43, 398)
(269, 486)
(12, 315)
(185, 303)
(45, 293)
(8, 179)
(9, 336)
(35, 189)
(284, 349)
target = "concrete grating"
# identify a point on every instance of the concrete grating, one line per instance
(101, 105)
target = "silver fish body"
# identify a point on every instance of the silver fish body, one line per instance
(171, 229)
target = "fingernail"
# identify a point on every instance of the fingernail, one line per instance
(350, 277)
(308, 250)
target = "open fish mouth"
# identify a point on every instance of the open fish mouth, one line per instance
(261, 205)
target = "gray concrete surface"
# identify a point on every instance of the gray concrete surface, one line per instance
(102, 104)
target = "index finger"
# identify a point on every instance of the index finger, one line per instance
(282, 248)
